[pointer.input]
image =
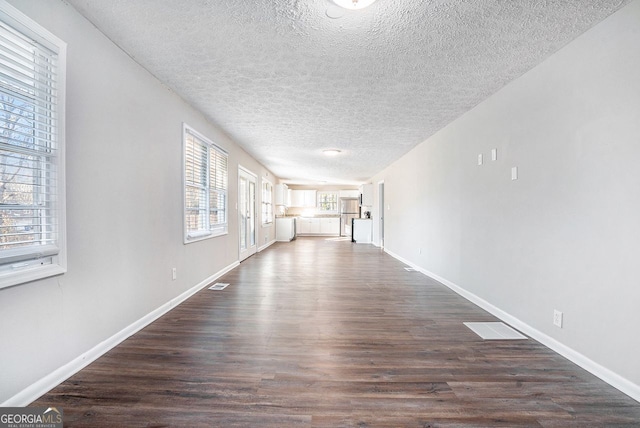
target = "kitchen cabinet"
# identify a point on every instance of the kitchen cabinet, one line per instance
(349, 193)
(303, 198)
(328, 226)
(308, 226)
(362, 230)
(366, 195)
(285, 229)
(297, 198)
(282, 195)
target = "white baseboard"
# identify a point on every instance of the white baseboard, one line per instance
(44, 385)
(267, 245)
(622, 384)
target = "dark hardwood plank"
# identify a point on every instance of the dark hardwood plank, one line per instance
(325, 333)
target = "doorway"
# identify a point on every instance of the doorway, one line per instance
(381, 211)
(247, 213)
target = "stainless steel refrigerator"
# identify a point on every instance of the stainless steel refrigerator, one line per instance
(349, 208)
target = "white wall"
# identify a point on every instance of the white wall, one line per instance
(124, 209)
(566, 234)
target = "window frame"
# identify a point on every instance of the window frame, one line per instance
(268, 215)
(30, 263)
(210, 230)
(336, 202)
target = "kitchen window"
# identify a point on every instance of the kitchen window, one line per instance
(32, 198)
(205, 187)
(267, 203)
(328, 202)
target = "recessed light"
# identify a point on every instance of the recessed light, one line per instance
(334, 12)
(331, 152)
(354, 4)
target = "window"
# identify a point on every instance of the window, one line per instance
(328, 201)
(205, 187)
(267, 202)
(32, 218)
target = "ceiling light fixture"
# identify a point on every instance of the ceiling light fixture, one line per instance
(354, 4)
(331, 152)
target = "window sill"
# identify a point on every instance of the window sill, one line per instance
(10, 279)
(201, 236)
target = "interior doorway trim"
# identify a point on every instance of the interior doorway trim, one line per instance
(381, 213)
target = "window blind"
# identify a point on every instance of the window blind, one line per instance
(217, 187)
(29, 149)
(206, 186)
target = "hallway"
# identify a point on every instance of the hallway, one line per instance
(325, 333)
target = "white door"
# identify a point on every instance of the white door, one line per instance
(247, 213)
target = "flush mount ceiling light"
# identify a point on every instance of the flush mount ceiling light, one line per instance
(354, 4)
(331, 152)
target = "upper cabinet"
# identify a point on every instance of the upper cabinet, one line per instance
(366, 195)
(349, 193)
(303, 198)
(282, 195)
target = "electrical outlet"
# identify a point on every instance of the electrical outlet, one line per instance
(557, 318)
(174, 273)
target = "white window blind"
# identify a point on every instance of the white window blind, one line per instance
(206, 186)
(31, 199)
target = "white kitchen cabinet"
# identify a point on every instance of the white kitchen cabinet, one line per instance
(349, 193)
(308, 226)
(282, 195)
(366, 195)
(297, 198)
(303, 198)
(330, 226)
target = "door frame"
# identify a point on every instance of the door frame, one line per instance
(381, 212)
(251, 249)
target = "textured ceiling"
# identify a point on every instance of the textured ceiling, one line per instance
(285, 80)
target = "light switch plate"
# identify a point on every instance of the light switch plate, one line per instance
(494, 154)
(514, 173)
(480, 159)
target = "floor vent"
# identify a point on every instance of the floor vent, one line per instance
(218, 286)
(494, 331)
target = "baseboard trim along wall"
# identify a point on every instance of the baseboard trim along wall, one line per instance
(612, 378)
(44, 385)
(267, 245)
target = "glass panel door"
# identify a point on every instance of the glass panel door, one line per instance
(252, 213)
(247, 213)
(242, 212)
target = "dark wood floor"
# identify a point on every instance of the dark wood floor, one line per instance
(326, 333)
